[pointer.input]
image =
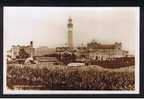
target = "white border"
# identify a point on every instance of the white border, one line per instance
(136, 91)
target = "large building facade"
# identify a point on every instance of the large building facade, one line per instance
(105, 51)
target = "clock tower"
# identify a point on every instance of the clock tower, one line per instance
(70, 33)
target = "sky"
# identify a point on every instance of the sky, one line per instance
(47, 26)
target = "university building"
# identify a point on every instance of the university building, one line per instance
(93, 50)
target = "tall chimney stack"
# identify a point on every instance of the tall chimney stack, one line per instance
(32, 49)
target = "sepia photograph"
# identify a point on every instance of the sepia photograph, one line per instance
(71, 50)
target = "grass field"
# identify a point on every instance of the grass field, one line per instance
(57, 77)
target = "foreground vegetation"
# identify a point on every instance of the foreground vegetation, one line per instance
(57, 77)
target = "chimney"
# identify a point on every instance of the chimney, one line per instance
(31, 49)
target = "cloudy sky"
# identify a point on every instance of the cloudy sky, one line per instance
(47, 26)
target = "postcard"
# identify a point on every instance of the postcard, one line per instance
(71, 50)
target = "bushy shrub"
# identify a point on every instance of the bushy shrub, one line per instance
(57, 77)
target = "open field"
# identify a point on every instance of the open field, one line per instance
(58, 77)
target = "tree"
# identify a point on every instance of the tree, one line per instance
(73, 57)
(23, 54)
